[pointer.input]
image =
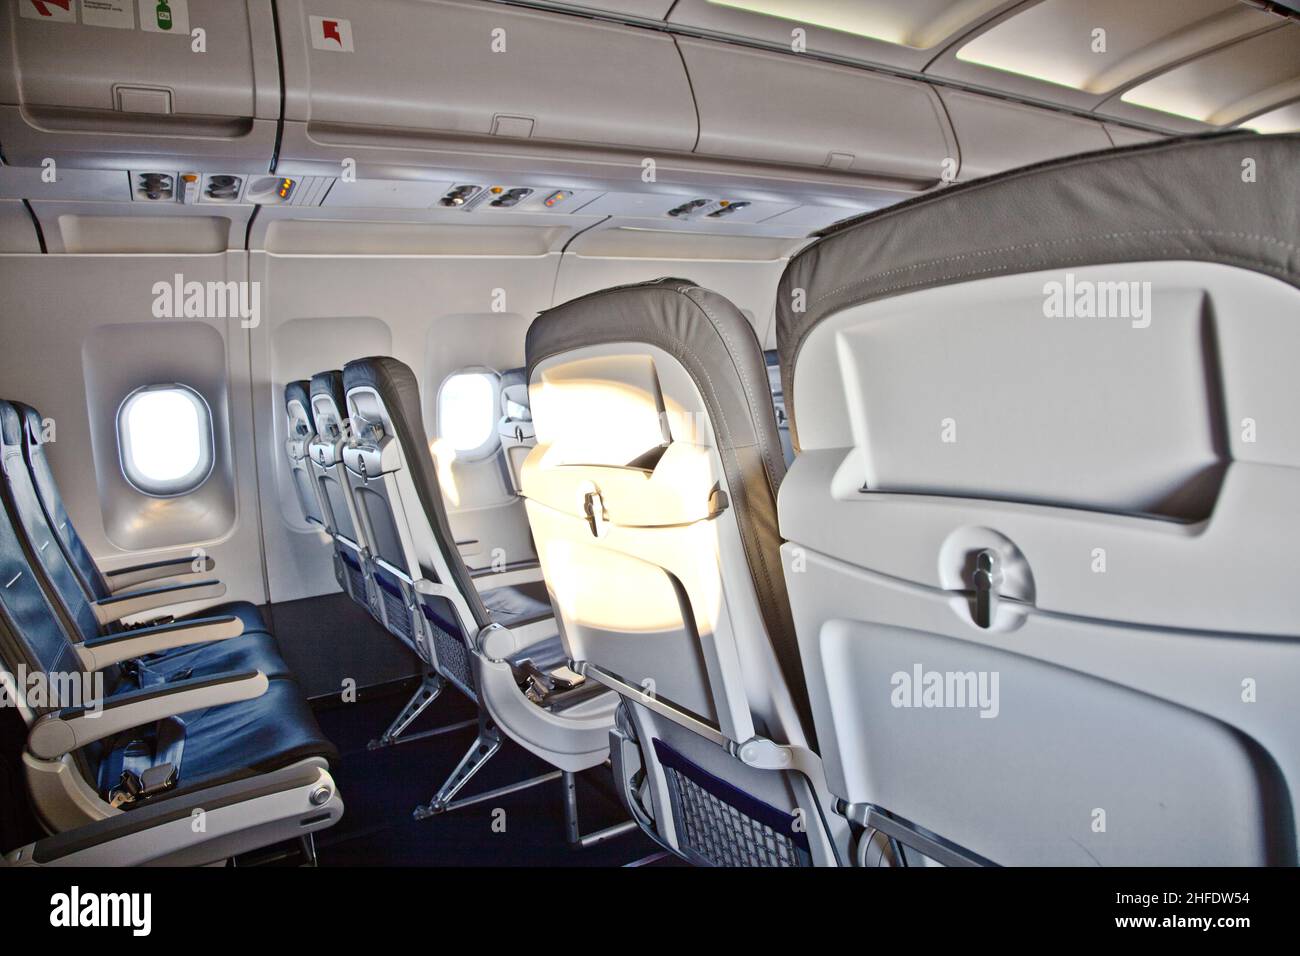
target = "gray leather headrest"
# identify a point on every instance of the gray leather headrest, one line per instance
(1174, 199)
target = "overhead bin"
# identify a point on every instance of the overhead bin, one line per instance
(17, 234)
(477, 80)
(995, 134)
(902, 33)
(796, 111)
(105, 86)
(645, 9)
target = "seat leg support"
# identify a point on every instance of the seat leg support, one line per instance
(308, 841)
(430, 687)
(484, 747)
(573, 831)
(480, 752)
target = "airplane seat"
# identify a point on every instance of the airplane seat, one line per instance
(652, 498)
(354, 565)
(1041, 525)
(515, 427)
(297, 445)
(778, 404)
(94, 622)
(329, 429)
(103, 746)
(480, 642)
(186, 577)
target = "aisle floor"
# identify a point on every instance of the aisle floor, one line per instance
(381, 787)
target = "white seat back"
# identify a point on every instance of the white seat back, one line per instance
(515, 426)
(300, 432)
(325, 455)
(1042, 517)
(652, 498)
(428, 596)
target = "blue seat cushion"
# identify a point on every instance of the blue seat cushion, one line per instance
(251, 651)
(517, 605)
(239, 740)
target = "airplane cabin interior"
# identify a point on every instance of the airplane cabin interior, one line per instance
(649, 433)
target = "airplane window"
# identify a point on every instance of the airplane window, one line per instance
(467, 413)
(164, 440)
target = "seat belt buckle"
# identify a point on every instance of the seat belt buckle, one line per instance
(133, 788)
(152, 622)
(543, 686)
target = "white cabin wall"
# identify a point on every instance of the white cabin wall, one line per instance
(57, 308)
(317, 312)
(434, 313)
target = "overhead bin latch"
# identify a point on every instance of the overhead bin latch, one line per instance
(594, 507)
(987, 579)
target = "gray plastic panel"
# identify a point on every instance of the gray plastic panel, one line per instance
(994, 134)
(17, 232)
(604, 84)
(1132, 699)
(783, 109)
(900, 33)
(98, 97)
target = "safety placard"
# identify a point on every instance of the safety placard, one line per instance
(57, 11)
(165, 16)
(331, 33)
(108, 13)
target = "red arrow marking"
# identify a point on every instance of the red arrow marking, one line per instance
(330, 31)
(43, 10)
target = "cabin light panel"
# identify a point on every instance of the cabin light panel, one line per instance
(1229, 84)
(1102, 45)
(1285, 119)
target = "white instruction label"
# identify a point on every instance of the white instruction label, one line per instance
(331, 33)
(165, 16)
(56, 11)
(108, 13)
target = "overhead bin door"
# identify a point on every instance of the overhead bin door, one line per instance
(902, 33)
(647, 9)
(791, 110)
(995, 135)
(408, 82)
(110, 88)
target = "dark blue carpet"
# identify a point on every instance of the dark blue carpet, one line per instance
(380, 788)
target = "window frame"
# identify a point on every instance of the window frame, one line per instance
(491, 445)
(197, 476)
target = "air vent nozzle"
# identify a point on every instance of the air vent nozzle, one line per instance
(511, 197)
(155, 187)
(459, 195)
(222, 188)
(686, 208)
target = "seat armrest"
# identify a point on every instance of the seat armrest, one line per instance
(64, 731)
(513, 575)
(99, 652)
(181, 569)
(159, 831)
(119, 606)
(497, 642)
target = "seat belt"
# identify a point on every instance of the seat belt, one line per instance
(151, 765)
(142, 675)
